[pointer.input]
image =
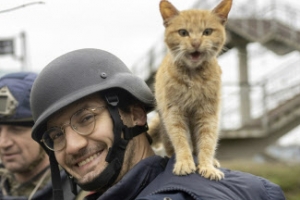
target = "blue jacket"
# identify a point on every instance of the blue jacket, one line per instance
(152, 179)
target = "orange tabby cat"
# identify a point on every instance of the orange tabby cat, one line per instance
(188, 87)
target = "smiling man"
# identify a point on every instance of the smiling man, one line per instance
(81, 136)
(90, 116)
(25, 173)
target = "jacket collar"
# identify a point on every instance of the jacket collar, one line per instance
(134, 181)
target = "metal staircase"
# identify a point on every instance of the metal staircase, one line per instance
(274, 27)
(275, 105)
(273, 34)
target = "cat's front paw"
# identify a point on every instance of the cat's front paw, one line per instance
(216, 163)
(184, 167)
(210, 172)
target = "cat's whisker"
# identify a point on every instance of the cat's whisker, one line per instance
(224, 49)
(178, 54)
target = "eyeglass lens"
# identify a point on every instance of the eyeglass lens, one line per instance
(83, 122)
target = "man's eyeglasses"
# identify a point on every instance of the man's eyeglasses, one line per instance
(82, 121)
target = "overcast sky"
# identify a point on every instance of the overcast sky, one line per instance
(126, 28)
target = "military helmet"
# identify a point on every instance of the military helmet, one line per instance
(77, 74)
(15, 91)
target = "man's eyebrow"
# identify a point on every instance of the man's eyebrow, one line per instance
(79, 104)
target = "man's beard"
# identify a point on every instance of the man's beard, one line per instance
(106, 178)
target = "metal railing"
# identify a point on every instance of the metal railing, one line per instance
(265, 95)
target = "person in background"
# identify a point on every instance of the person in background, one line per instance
(90, 116)
(25, 173)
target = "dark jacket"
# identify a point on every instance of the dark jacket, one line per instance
(152, 179)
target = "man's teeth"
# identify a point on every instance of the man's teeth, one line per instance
(89, 159)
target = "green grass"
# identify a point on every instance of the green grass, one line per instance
(286, 176)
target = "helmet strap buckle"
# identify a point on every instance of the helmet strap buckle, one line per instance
(112, 99)
(129, 133)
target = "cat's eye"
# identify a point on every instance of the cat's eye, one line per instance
(183, 32)
(208, 31)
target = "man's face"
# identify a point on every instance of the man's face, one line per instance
(84, 155)
(18, 151)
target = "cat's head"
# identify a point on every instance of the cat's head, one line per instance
(194, 36)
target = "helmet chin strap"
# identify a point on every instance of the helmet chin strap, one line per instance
(115, 156)
(55, 177)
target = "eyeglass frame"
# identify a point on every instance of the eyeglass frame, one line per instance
(62, 127)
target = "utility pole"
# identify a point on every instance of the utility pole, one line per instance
(23, 58)
(8, 45)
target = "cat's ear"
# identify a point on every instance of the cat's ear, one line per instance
(167, 11)
(222, 10)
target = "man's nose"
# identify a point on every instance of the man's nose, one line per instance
(74, 141)
(5, 139)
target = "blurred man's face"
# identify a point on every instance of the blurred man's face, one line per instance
(18, 151)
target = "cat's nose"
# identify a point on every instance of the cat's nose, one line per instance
(196, 44)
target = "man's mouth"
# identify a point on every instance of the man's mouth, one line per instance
(8, 156)
(89, 159)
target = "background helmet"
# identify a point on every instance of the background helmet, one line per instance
(77, 74)
(15, 91)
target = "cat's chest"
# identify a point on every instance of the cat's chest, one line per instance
(193, 88)
(196, 79)
(187, 85)
(194, 84)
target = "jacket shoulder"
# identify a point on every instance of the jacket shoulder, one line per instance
(235, 185)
